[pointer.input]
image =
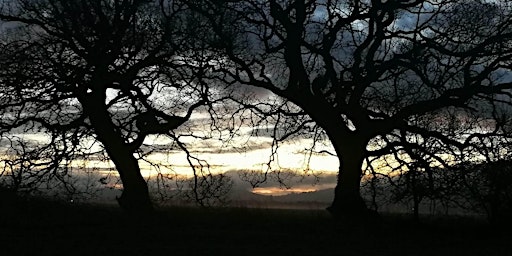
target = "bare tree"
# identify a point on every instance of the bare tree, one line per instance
(364, 71)
(27, 169)
(113, 72)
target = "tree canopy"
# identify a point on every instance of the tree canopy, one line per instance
(379, 77)
(114, 72)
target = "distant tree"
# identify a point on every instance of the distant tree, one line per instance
(113, 72)
(366, 71)
(485, 186)
(26, 170)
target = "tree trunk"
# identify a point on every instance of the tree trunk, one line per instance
(416, 208)
(135, 195)
(347, 199)
(350, 147)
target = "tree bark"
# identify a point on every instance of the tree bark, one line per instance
(135, 195)
(350, 147)
(347, 199)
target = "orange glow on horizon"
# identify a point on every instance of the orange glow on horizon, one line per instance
(276, 191)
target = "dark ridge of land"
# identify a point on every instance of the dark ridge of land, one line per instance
(38, 227)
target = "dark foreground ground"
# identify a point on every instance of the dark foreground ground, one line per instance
(42, 228)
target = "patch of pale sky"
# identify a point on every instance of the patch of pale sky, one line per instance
(290, 156)
(32, 137)
(287, 158)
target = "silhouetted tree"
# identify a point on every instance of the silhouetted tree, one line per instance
(485, 186)
(114, 72)
(365, 71)
(27, 171)
(475, 180)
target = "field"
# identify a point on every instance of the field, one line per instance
(47, 228)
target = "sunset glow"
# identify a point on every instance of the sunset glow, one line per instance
(280, 191)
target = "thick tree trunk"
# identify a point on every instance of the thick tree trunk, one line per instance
(347, 199)
(135, 195)
(350, 147)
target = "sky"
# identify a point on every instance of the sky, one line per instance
(243, 153)
(251, 154)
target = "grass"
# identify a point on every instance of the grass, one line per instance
(49, 228)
